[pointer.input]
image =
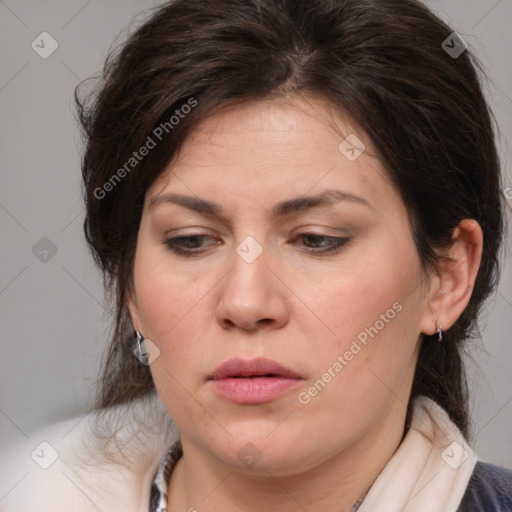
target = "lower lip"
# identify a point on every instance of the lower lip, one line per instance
(256, 390)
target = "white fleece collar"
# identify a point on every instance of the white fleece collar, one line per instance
(430, 470)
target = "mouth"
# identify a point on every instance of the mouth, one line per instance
(252, 368)
(254, 381)
(253, 376)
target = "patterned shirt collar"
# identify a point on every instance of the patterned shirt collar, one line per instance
(160, 483)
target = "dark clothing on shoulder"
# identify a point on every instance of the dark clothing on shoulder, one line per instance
(488, 490)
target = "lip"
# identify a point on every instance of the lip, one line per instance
(265, 380)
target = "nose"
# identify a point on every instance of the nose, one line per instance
(252, 297)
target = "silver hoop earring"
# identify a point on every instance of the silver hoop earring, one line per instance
(440, 333)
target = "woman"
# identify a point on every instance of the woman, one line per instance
(297, 208)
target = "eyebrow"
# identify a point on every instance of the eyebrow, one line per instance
(284, 209)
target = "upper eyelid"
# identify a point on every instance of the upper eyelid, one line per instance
(209, 235)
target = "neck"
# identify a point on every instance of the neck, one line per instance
(200, 482)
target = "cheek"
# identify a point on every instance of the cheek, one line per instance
(374, 316)
(163, 295)
(373, 311)
(168, 306)
(372, 293)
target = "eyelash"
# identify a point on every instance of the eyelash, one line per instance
(173, 244)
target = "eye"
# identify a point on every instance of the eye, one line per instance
(186, 245)
(314, 243)
(323, 244)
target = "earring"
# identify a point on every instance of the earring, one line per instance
(140, 351)
(440, 333)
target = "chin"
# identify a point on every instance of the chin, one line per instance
(253, 453)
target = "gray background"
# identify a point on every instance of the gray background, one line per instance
(53, 324)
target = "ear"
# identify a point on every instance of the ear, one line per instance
(451, 287)
(131, 303)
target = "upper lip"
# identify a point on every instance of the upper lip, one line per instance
(237, 367)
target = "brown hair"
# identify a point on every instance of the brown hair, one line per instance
(379, 61)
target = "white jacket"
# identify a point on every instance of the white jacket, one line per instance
(62, 469)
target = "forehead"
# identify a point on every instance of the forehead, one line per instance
(297, 127)
(273, 149)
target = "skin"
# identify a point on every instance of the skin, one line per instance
(299, 308)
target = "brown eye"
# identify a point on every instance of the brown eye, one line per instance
(186, 245)
(322, 244)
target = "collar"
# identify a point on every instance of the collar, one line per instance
(429, 471)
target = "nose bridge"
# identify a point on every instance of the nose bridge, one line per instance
(248, 279)
(250, 294)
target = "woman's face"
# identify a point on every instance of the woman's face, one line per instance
(327, 284)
